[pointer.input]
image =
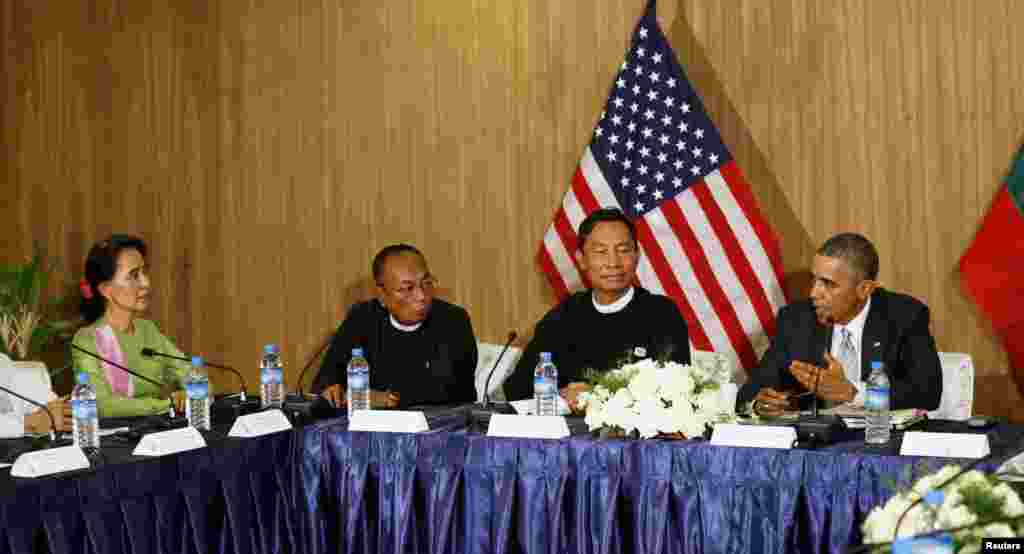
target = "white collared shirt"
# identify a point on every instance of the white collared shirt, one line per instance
(856, 328)
(616, 306)
(401, 327)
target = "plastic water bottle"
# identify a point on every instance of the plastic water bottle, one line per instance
(85, 419)
(271, 378)
(876, 406)
(545, 386)
(197, 389)
(358, 372)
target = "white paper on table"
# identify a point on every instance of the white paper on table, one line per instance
(528, 406)
(945, 445)
(755, 436)
(260, 423)
(527, 427)
(169, 442)
(388, 421)
(47, 462)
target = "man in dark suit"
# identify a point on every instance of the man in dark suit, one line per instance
(827, 342)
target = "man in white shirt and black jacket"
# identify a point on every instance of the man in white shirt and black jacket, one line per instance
(421, 350)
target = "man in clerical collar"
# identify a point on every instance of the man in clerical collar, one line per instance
(825, 344)
(607, 325)
(421, 349)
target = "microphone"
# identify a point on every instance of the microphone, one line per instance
(297, 404)
(299, 389)
(150, 353)
(171, 413)
(819, 430)
(487, 384)
(480, 414)
(53, 422)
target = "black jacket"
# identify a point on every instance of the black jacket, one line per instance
(896, 333)
(580, 338)
(435, 364)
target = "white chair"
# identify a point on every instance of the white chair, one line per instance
(487, 354)
(30, 379)
(957, 387)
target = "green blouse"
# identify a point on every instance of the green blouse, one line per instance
(145, 399)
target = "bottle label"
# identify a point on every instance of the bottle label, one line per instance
(197, 391)
(83, 409)
(876, 399)
(544, 385)
(358, 382)
(271, 376)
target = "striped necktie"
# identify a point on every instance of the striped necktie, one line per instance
(848, 357)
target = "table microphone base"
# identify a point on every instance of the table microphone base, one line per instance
(228, 409)
(822, 430)
(303, 408)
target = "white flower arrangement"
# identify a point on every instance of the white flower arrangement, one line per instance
(654, 398)
(970, 499)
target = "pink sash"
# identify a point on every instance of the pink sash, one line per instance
(106, 343)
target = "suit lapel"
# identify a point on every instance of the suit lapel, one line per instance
(872, 345)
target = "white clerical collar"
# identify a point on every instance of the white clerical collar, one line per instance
(616, 306)
(856, 325)
(401, 327)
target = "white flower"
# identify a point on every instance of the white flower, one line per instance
(644, 384)
(1013, 506)
(997, 530)
(956, 517)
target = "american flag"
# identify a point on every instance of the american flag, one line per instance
(656, 155)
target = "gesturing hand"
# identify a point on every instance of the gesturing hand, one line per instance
(828, 383)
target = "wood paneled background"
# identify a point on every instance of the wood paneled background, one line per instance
(266, 150)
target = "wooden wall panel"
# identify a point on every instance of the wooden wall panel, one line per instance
(267, 150)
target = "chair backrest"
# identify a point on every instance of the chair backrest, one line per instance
(487, 354)
(28, 378)
(957, 387)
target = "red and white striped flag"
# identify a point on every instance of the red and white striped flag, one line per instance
(656, 155)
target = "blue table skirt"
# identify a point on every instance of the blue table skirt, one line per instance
(240, 496)
(455, 492)
(321, 489)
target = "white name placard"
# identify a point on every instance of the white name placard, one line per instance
(170, 442)
(388, 421)
(756, 436)
(49, 461)
(260, 423)
(528, 427)
(944, 445)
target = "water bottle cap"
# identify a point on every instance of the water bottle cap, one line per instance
(876, 365)
(197, 361)
(545, 356)
(270, 348)
(934, 498)
(82, 378)
(357, 351)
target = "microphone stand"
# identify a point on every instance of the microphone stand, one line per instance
(481, 412)
(818, 430)
(298, 405)
(173, 421)
(239, 407)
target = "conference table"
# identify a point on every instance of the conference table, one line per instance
(318, 488)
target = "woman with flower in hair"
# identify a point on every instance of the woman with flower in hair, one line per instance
(115, 294)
